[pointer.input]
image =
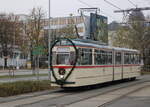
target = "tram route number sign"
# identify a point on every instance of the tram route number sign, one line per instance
(38, 50)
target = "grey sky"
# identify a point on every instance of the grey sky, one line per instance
(65, 7)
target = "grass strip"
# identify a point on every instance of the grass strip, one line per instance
(145, 72)
(21, 87)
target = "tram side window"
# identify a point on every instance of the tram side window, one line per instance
(54, 58)
(79, 56)
(103, 57)
(118, 58)
(126, 58)
(99, 58)
(85, 57)
(137, 59)
(132, 59)
(72, 58)
(109, 57)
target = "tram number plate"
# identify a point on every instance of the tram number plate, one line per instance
(63, 49)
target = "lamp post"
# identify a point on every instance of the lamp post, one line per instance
(49, 41)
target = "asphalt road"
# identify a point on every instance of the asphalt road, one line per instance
(23, 72)
(5, 80)
(128, 94)
(141, 98)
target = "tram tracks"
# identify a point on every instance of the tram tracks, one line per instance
(124, 95)
(137, 86)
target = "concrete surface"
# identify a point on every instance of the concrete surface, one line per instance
(140, 98)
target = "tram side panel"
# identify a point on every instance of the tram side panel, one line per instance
(88, 76)
(118, 72)
(130, 71)
(108, 73)
(131, 66)
(135, 71)
(93, 75)
(126, 71)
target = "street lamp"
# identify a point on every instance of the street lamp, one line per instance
(49, 41)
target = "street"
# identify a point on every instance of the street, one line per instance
(25, 75)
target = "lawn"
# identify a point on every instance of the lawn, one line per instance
(21, 87)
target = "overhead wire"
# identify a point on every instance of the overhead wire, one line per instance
(132, 3)
(84, 3)
(93, 6)
(148, 1)
(112, 4)
(124, 18)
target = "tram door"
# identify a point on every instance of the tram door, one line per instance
(118, 65)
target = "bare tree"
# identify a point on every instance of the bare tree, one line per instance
(9, 34)
(136, 35)
(34, 29)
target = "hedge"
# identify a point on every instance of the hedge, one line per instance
(16, 88)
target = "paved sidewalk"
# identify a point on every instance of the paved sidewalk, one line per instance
(26, 75)
(23, 72)
(5, 80)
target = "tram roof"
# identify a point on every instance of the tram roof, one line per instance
(97, 44)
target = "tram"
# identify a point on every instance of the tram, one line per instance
(77, 62)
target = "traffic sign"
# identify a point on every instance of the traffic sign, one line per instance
(38, 50)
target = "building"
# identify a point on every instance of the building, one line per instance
(88, 27)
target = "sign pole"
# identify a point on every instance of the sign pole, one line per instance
(49, 42)
(38, 68)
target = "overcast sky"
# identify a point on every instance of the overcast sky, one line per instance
(65, 7)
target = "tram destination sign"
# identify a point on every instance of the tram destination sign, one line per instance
(66, 49)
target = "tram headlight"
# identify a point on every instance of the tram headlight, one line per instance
(61, 72)
(61, 76)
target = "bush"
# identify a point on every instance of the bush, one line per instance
(10, 89)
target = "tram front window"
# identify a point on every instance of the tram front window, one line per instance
(65, 58)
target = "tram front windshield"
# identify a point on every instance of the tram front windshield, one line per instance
(65, 58)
